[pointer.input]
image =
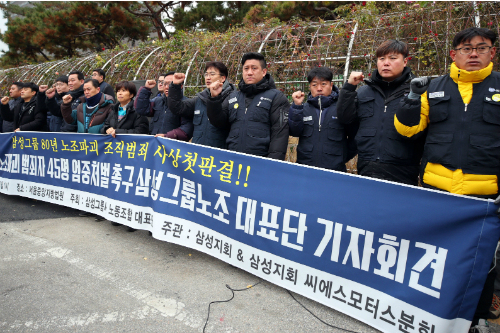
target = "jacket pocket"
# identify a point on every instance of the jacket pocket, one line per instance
(484, 150)
(491, 111)
(397, 147)
(260, 112)
(365, 139)
(365, 107)
(197, 117)
(438, 147)
(308, 129)
(335, 131)
(438, 109)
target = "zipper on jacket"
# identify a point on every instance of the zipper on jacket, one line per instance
(385, 109)
(320, 112)
(466, 107)
(246, 110)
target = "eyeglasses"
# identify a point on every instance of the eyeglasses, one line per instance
(166, 83)
(211, 74)
(480, 49)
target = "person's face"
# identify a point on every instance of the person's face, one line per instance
(211, 75)
(320, 87)
(252, 72)
(89, 90)
(473, 61)
(124, 96)
(27, 93)
(391, 66)
(61, 87)
(14, 91)
(97, 76)
(73, 82)
(160, 83)
(166, 82)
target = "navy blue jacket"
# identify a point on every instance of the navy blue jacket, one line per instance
(163, 120)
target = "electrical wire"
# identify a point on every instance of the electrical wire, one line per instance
(232, 290)
(339, 328)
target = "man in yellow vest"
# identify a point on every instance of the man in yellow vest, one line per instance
(461, 113)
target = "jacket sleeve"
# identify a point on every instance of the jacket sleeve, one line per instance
(187, 127)
(7, 114)
(53, 106)
(67, 113)
(107, 124)
(295, 120)
(352, 148)
(218, 112)
(347, 104)
(279, 127)
(178, 105)
(39, 123)
(412, 117)
(141, 126)
(142, 104)
(108, 90)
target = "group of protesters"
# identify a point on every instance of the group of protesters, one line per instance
(443, 134)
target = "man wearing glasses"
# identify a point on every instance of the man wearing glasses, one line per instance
(196, 108)
(461, 112)
(163, 123)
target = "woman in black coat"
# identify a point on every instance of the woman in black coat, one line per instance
(124, 119)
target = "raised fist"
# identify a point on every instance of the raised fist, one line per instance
(67, 99)
(216, 88)
(43, 88)
(298, 97)
(356, 78)
(179, 78)
(150, 84)
(50, 93)
(5, 100)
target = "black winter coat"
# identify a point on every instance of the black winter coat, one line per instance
(132, 123)
(30, 116)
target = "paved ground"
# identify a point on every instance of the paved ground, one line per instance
(64, 273)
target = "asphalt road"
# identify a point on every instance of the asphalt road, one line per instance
(63, 273)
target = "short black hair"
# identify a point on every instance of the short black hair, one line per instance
(391, 46)
(101, 72)
(62, 78)
(95, 83)
(18, 84)
(323, 73)
(161, 75)
(256, 56)
(170, 73)
(466, 35)
(30, 85)
(219, 66)
(129, 86)
(80, 75)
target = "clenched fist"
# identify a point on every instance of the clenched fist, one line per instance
(150, 84)
(5, 100)
(356, 78)
(43, 88)
(298, 97)
(50, 93)
(67, 99)
(216, 88)
(179, 78)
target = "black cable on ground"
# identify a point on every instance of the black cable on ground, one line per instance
(339, 328)
(232, 290)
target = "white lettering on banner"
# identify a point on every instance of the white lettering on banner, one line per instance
(249, 219)
(300, 230)
(94, 179)
(204, 203)
(128, 184)
(176, 190)
(105, 168)
(85, 172)
(75, 171)
(221, 202)
(437, 261)
(116, 177)
(142, 188)
(156, 183)
(188, 194)
(388, 256)
(265, 223)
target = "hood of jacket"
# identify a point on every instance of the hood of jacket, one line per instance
(326, 101)
(227, 88)
(266, 83)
